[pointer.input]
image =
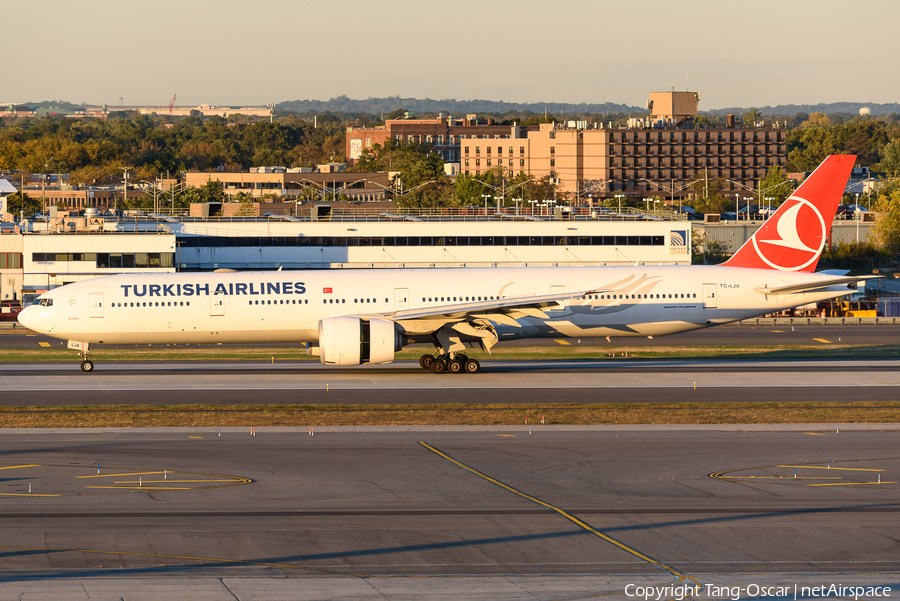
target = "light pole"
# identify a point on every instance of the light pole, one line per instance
(125, 187)
(647, 200)
(760, 191)
(504, 190)
(517, 201)
(485, 197)
(671, 189)
(620, 197)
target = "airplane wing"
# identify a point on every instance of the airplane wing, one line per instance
(474, 318)
(528, 305)
(813, 286)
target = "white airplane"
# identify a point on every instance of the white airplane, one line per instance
(354, 317)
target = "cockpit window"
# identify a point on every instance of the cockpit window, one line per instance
(44, 302)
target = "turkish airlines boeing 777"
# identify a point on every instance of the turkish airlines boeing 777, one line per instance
(354, 317)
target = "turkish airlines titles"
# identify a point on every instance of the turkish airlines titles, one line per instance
(231, 289)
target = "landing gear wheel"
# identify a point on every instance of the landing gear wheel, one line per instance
(456, 366)
(472, 366)
(87, 366)
(438, 366)
(425, 361)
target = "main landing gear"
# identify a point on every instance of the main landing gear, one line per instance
(458, 364)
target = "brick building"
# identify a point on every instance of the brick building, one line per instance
(659, 155)
(443, 133)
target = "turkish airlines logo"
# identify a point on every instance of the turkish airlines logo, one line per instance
(793, 238)
(327, 290)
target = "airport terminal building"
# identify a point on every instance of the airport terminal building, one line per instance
(45, 255)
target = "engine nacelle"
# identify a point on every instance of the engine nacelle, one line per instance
(355, 341)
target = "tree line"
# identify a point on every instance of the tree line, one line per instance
(93, 152)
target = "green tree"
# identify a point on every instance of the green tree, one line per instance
(890, 158)
(707, 252)
(396, 114)
(887, 224)
(712, 199)
(22, 203)
(775, 185)
(212, 191)
(246, 209)
(751, 118)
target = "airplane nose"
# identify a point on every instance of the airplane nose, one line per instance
(25, 316)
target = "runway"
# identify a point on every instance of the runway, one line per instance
(587, 381)
(369, 511)
(729, 335)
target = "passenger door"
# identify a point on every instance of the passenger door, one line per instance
(96, 304)
(217, 305)
(401, 299)
(709, 296)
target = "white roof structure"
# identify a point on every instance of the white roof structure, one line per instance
(6, 188)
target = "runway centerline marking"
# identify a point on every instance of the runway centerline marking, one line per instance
(563, 513)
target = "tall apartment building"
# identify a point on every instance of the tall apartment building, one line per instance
(661, 155)
(443, 134)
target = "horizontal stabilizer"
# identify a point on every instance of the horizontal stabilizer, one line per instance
(813, 286)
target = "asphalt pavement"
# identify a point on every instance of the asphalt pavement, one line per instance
(563, 511)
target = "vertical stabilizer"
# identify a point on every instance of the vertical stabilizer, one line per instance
(793, 238)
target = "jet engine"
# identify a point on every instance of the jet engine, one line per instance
(355, 341)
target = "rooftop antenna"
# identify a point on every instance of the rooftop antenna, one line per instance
(687, 87)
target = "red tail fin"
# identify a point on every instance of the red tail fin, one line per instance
(793, 238)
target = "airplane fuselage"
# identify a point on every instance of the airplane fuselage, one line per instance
(287, 306)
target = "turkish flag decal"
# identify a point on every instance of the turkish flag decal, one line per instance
(327, 290)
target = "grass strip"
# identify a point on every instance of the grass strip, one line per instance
(611, 353)
(448, 415)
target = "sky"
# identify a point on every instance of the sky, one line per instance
(234, 52)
